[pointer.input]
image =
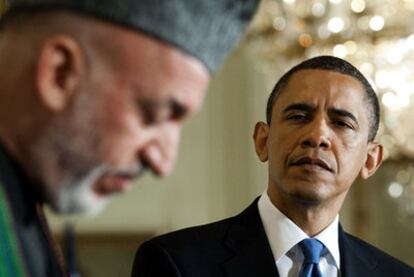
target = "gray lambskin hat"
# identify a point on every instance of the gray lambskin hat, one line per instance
(205, 29)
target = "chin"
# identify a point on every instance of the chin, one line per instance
(76, 197)
(308, 201)
(80, 203)
(311, 197)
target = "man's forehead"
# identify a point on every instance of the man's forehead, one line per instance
(313, 83)
(182, 82)
(317, 76)
(314, 87)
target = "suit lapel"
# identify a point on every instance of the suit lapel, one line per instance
(251, 255)
(247, 241)
(354, 261)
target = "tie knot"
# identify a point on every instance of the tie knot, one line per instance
(312, 250)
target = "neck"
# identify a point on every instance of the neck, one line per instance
(312, 217)
(19, 121)
(22, 116)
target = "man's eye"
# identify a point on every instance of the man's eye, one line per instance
(154, 117)
(146, 114)
(297, 117)
(152, 113)
(342, 124)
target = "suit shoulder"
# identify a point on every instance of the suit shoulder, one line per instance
(188, 252)
(195, 251)
(202, 234)
(207, 236)
(384, 259)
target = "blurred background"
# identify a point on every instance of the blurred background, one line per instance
(218, 175)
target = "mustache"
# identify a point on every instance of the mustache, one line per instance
(321, 159)
(134, 171)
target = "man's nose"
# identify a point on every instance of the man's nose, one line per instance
(160, 153)
(317, 135)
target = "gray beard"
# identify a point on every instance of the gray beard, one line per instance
(76, 195)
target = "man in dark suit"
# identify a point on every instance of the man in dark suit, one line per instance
(322, 118)
(94, 92)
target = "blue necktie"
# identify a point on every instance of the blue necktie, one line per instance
(312, 250)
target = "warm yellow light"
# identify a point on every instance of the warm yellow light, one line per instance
(351, 47)
(393, 56)
(336, 24)
(383, 78)
(305, 40)
(389, 100)
(340, 51)
(367, 68)
(377, 23)
(394, 102)
(358, 6)
(318, 9)
(403, 101)
(395, 190)
(411, 40)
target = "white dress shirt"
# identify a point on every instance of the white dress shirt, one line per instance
(284, 235)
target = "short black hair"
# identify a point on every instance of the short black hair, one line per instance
(332, 64)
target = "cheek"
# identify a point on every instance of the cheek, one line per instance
(279, 148)
(119, 127)
(351, 161)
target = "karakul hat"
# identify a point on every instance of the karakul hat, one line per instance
(205, 29)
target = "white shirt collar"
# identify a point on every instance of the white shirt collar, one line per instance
(283, 233)
(329, 238)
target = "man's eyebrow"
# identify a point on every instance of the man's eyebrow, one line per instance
(299, 107)
(343, 113)
(176, 109)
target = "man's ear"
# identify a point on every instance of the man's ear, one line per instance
(60, 66)
(372, 161)
(260, 135)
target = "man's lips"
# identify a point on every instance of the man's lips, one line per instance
(311, 161)
(116, 181)
(112, 184)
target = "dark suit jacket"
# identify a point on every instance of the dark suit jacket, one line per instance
(238, 246)
(35, 249)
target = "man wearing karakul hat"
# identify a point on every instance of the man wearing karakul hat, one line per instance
(92, 93)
